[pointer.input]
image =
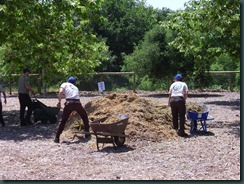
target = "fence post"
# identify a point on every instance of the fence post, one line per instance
(101, 77)
(10, 86)
(43, 82)
(134, 82)
(231, 85)
(39, 87)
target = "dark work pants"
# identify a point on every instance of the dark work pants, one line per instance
(1, 114)
(68, 109)
(25, 101)
(178, 109)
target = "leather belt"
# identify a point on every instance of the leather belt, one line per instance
(178, 97)
(72, 100)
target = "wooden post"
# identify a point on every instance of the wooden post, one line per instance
(231, 84)
(43, 82)
(101, 77)
(10, 86)
(39, 88)
(134, 82)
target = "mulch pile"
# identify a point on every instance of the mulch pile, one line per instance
(147, 119)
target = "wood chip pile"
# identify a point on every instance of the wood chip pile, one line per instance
(147, 119)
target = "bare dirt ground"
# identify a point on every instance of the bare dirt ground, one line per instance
(29, 153)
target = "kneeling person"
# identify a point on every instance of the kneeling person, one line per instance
(71, 93)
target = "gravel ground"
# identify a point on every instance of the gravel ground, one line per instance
(29, 153)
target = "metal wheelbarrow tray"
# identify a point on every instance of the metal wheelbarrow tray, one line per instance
(201, 117)
(110, 133)
(44, 113)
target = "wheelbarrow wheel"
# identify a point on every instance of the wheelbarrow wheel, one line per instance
(119, 141)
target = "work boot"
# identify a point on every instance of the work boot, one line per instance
(182, 133)
(56, 140)
(88, 136)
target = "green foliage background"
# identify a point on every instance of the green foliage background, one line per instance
(80, 37)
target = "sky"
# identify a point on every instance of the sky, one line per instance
(171, 4)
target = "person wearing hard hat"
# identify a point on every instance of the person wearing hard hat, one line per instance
(71, 93)
(178, 93)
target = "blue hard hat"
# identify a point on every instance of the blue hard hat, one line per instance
(72, 80)
(178, 76)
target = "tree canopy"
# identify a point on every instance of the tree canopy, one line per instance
(207, 29)
(79, 37)
(211, 25)
(54, 35)
(154, 58)
(126, 23)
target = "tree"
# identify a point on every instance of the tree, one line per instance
(126, 22)
(156, 59)
(206, 29)
(50, 34)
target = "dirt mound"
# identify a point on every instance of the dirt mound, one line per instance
(147, 120)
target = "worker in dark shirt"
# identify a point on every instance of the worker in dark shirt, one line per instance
(24, 89)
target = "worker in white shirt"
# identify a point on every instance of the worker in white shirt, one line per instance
(178, 94)
(71, 93)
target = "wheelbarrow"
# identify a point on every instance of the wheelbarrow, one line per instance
(110, 132)
(44, 113)
(201, 117)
